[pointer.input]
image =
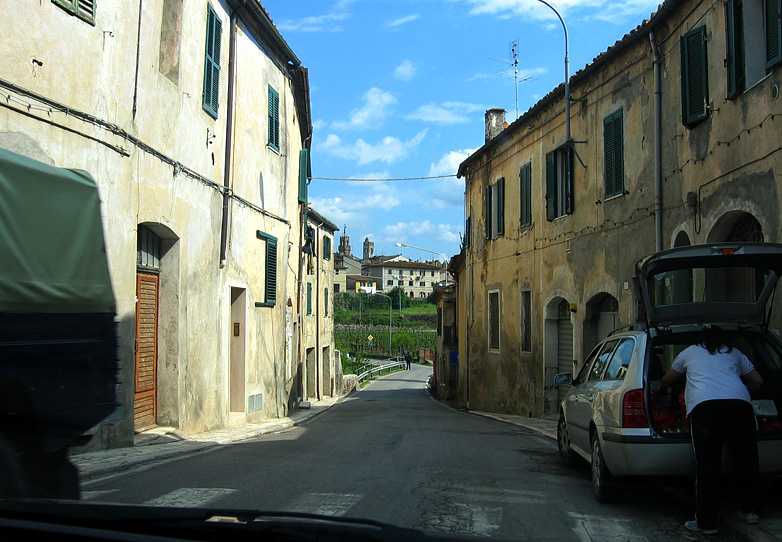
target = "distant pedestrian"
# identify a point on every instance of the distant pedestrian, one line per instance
(720, 379)
(409, 360)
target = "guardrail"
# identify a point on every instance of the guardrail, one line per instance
(399, 362)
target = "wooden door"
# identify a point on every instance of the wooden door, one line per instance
(145, 403)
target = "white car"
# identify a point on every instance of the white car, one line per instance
(610, 418)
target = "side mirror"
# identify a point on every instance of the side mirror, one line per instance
(563, 379)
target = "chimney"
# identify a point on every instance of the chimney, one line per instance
(495, 123)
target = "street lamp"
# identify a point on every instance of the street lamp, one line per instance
(389, 321)
(567, 75)
(442, 256)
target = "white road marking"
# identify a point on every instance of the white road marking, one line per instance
(190, 497)
(589, 528)
(328, 504)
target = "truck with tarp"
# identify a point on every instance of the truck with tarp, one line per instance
(58, 342)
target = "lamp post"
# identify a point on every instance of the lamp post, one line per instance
(567, 75)
(442, 256)
(389, 321)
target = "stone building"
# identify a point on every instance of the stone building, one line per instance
(675, 141)
(194, 119)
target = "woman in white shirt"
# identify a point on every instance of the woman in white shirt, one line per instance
(719, 381)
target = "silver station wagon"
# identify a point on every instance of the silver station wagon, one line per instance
(609, 416)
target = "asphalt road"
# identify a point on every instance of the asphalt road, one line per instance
(392, 453)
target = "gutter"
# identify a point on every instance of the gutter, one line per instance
(658, 176)
(228, 141)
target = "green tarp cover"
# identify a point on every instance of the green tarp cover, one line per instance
(52, 253)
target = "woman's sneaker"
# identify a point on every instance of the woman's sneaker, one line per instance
(693, 526)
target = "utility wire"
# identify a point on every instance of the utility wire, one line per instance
(381, 180)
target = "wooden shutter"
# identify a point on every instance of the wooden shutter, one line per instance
(304, 161)
(695, 86)
(271, 271)
(467, 232)
(274, 119)
(613, 147)
(568, 180)
(772, 23)
(525, 191)
(551, 187)
(488, 212)
(500, 197)
(214, 31)
(146, 350)
(734, 56)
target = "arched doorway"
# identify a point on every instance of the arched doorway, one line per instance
(736, 284)
(682, 239)
(558, 344)
(736, 227)
(602, 317)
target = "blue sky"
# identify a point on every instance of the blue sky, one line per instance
(399, 89)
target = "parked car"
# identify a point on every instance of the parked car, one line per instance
(609, 416)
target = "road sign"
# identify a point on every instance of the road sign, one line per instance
(370, 337)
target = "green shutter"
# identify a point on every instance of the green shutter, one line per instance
(326, 247)
(772, 23)
(551, 187)
(274, 119)
(270, 268)
(304, 162)
(695, 86)
(488, 212)
(613, 154)
(309, 298)
(569, 191)
(525, 191)
(325, 301)
(467, 232)
(214, 30)
(734, 56)
(500, 197)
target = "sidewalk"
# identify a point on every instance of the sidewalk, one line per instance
(769, 529)
(164, 442)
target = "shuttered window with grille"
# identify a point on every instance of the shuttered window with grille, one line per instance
(613, 147)
(525, 195)
(83, 9)
(274, 120)
(214, 32)
(695, 81)
(270, 270)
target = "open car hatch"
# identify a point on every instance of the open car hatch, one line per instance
(723, 283)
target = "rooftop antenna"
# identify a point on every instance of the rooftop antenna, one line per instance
(513, 48)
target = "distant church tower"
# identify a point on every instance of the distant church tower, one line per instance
(369, 249)
(344, 242)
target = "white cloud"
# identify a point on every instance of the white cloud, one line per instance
(371, 114)
(449, 164)
(606, 10)
(389, 149)
(327, 22)
(405, 71)
(403, 20)
(445, 113)
(360, 205)
(440, 233)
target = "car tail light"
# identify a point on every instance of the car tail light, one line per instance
(634, 409)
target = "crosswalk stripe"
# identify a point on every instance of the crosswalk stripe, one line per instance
(190, 497)
(328, 504)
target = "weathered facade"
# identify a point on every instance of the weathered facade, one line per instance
(194, 119)
(320, 367)
(446, 362)
(674, 141)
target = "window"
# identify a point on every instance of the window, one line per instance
(772, 26)
(596, 373)
(559, 182)
(83, 9)
(613, 148)
(400, 282)
(617, 367)
(494, 320)
(326, 247)
(390, 283)
(695, 84)
(749, 53)
(325, 302)
(467, 232)
(525, 195)
(410, 283)
(274, 119)
(336, 288)
(432, 273)
(214, 31)
(309, 299)
(270, 270)
(495, 209)
(390, 272)
(526, 321)
(304, 164)
(423, 284)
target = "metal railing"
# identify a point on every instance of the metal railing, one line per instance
(378, 369)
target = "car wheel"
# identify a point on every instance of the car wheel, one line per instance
(602, 479)
(568, 457)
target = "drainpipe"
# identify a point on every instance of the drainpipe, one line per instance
(138, 57)
(658, 160)
(229, 118)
